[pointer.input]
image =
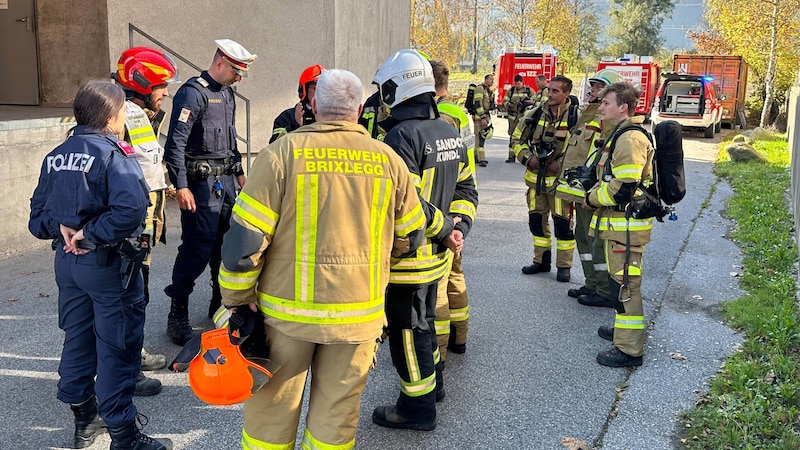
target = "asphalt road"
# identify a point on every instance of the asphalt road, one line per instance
(529, 376)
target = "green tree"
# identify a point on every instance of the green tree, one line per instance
(636, 25)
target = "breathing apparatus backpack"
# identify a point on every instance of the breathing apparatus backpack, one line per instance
(669, 180)
(469, 101)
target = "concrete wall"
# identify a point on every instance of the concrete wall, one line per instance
(80, 40)
(793, 133)
(356, 35)
(73, 47)
(23, 146)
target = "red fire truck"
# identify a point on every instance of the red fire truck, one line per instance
(528, 62)
(638, 70)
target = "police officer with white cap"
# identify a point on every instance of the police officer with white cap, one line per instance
(202, 161)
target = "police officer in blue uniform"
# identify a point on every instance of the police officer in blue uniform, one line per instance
(202, 160)
(91, 200)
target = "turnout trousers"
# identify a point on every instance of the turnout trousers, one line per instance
(539, 209)
(452, 308)
(629, 324)
(512, 125)
(201, 237)
(410, 311)
(480, 152)
(591, 251)
(103, 333)
(338, 377)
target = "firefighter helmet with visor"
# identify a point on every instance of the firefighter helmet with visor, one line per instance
(404, 75)
(140, 69)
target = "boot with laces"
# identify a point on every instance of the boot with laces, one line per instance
(178, 328)
(129, 437)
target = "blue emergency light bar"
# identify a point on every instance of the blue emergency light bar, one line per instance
(708, 78)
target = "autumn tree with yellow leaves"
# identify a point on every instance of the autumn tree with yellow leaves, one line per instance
(449, 30)
(764, 33)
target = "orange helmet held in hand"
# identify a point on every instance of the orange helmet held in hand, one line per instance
(221, 375)
(309, 75)
(141, 68)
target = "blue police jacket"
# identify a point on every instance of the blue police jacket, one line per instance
(91, 182)
(202, 126)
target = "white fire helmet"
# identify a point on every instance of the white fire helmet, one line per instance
(402, 76)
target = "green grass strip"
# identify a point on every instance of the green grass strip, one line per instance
(754, 401)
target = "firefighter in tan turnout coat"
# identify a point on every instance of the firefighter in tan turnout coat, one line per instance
(626, 164)
(311, 237)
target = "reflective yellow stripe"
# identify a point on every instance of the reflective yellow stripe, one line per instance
(539, 241)
(238, 281)
(436, 356)
(464, 172)
(427, 184)
(620, 224)
(413, 220)
(459, 314)
(564, 244)
(628, 171)
(306, 236)
(250, 443)
(256, 213)
(633, 271)
(278, 132)
(417, 181)
(321, 313)
(412, 365)
(464, 207)
(560, 207)
(419, 276)
(311, 443)
(567, 189)
(424, 252)
(141, 135)
(532, 177)
(442, 327)
(419, 388)
(437, 222)
(604, 197)
(221, 316)
(381, 192)
(629, 322)
(420, 261)
(368, 117)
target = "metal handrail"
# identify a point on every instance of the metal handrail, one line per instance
(134, 29)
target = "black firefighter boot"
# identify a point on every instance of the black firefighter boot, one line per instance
(178, 328)
(88, 423)
(543, 266)
(129, 437)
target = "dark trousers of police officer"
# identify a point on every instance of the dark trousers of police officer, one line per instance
(410, 311)
(104, 331)
(201, 243)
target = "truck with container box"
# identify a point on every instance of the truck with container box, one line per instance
(641, 71)
(528, 62)
(729, 74)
